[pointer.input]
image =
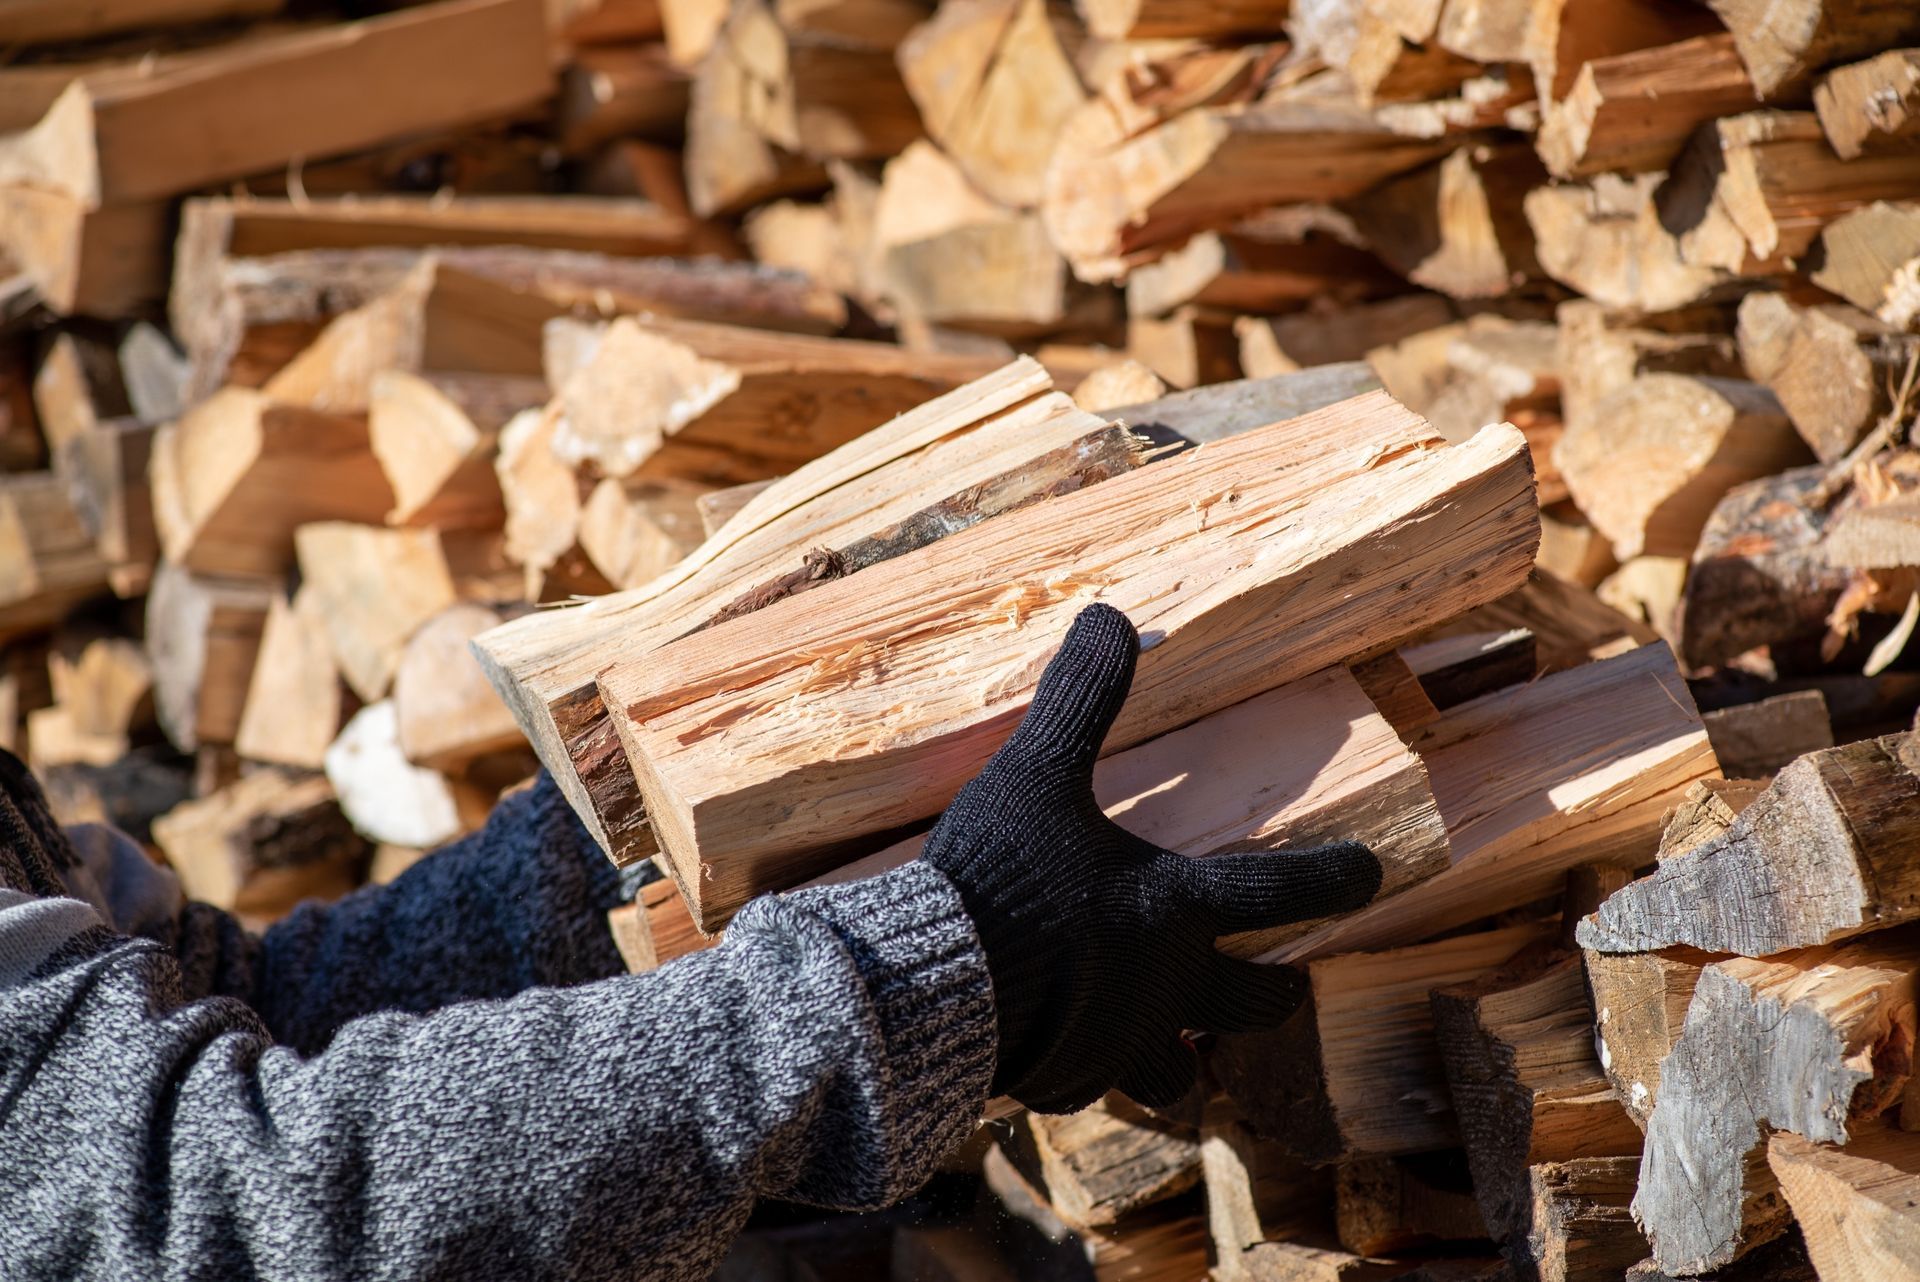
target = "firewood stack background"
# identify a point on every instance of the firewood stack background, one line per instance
(728, 404)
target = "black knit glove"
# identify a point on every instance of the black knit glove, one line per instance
(1099, 944)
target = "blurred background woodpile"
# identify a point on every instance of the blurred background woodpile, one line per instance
(336, 336)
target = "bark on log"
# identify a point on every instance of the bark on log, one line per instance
(1825, 853)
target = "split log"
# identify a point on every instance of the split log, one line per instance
(731, 165)
(372, 589)
(435, 437)
(1820, 856)
(1759, 575)
(243, 227)
(717, 507)
(1870, 256)
(619, 91)
(634, 531)
(1648, 589)
(1116, 386)
(691, 26)
(1453, 670)
(996, 431)
(994, 81)
(594, 22)
(243, 319)
(1824, 364)
(1396, 692)
(1168, 1244)
(1189, 349)
(104, 685)
(445, 712)
(34, 22)
(1458, 227)
(388, 798)
(1268, 263)
(1783, 42)
(1640, 1002)
(1602, 351)
(82, 258)
(543, 497)
(655, 928)
(958, 259)
(1256, 1191)
(438, 319)
(1870, 106)
(203, 635)
(1320, 1085)
(1857, 1204)
(1752, 192)
(107, 472)
(663, 399)
(1165, 19)
(114, 139)
(1097, 1166)
(1579, 1228)
(233, 480)
(1571, 549)
(1801, 1043)
(1570, 625)
(1383, 1206)
(48, 562)
(544, 666)
(1754, 740)
(1525, 801)
(1633, 112)
(1518, 1046)
(76, 388)
(1301, 340)
(1606, 240)
(712, 833)
(1352, 778)
(155, 373)
(295, 704)
(1111, 195)
(1563, 39)
(262, 844)
(1662, 451)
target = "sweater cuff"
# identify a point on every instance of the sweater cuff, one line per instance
(917, 950)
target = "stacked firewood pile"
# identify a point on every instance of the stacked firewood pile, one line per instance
(1494, 413)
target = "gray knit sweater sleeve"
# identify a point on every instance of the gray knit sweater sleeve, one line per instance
(831, 1050)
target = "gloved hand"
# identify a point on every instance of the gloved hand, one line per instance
(1099, 944)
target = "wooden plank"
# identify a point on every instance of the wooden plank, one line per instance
(721, 841)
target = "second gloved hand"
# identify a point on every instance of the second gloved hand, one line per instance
(1100, 945)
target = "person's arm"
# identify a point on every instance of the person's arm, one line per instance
(831, 1050)
(520, 904)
